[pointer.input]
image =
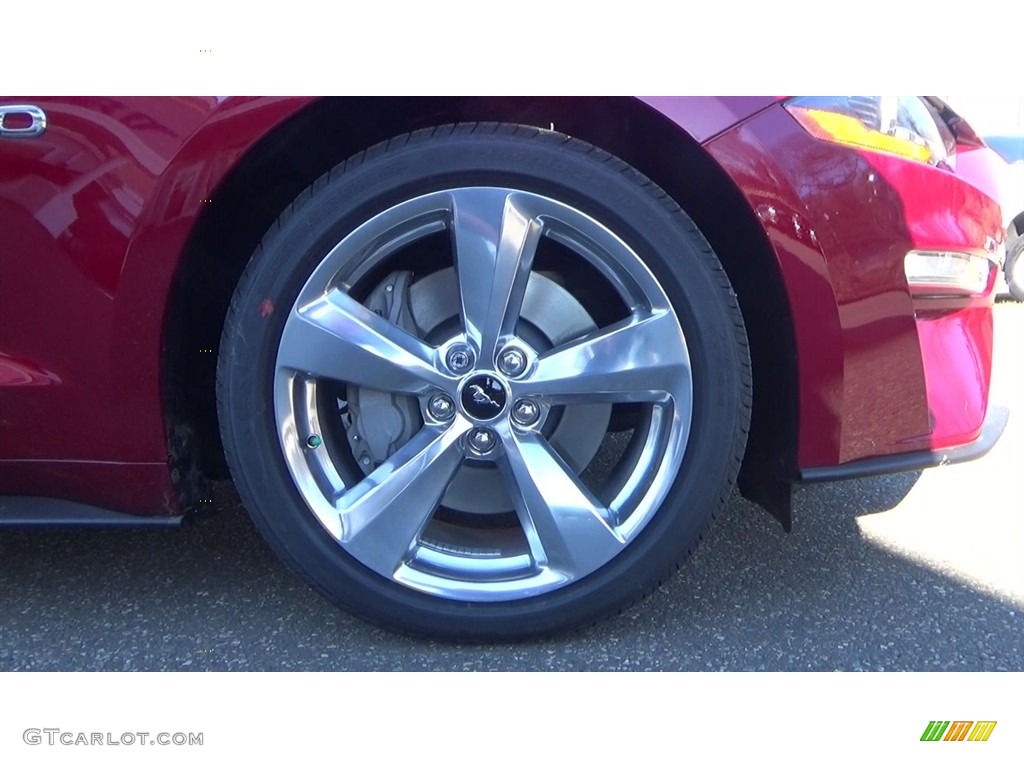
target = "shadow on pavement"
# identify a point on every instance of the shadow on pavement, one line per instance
(212, 596)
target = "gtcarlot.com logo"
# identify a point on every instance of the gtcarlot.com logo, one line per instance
(959, 730)
(55, 737)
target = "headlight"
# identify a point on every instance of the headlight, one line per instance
(899, 125)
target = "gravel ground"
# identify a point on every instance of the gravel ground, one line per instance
(919, 571)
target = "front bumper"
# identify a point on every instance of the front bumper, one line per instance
(885, 373)
(991, 431)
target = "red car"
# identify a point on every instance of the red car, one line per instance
(485, 367)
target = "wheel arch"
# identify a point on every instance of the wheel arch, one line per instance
(316, 135)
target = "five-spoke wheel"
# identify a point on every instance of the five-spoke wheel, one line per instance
(503, 389)
(490, 386)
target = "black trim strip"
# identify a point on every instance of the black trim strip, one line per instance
(991, 431)
(37, 511)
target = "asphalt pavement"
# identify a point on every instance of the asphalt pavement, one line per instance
(918, 571)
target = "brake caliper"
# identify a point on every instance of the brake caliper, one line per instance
(379, 423)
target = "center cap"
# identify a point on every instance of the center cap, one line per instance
(483, 397)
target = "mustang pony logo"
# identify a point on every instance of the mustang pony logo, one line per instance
(480, 396)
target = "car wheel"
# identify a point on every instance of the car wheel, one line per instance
(484, 381)
(1013, 271)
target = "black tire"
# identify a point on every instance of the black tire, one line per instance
(1013, 270)
(543, 163)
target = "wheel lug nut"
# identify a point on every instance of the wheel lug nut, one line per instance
(525, 412)
(512, 361)
(441, 407)
(482, 440)
(459, 359)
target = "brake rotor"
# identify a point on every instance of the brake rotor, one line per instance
(380, 424)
